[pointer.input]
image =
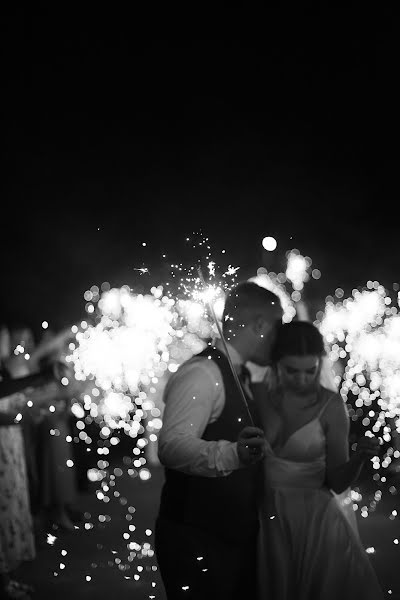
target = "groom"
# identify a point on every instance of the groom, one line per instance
(206, 529)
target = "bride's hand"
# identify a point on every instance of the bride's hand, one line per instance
(367, 447)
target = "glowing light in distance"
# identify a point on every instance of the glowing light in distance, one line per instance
(269, 243)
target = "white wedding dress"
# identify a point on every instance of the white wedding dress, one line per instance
(309, 543)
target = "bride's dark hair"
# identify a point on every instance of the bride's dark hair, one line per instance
(297, 338)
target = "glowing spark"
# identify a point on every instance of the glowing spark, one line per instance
(271, 283)
(142, 270)
(51, 539)
(297, 269)
(231, 270)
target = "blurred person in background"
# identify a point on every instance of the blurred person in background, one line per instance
(17, 542)
(58, 490)
(46, 428)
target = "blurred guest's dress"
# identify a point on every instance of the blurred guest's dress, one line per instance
(57, 468)
(16, 530)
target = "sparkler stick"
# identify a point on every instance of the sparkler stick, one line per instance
(234, 373)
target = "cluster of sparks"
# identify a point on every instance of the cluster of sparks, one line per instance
(135, 340)
(288, 284)
(122, 355)
(363, 336)
(130, 343)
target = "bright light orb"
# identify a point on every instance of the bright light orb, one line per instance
(269, 243)
(267, 281)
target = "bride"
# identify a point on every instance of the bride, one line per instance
(309, 543)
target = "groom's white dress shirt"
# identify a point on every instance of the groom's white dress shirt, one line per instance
(194, 397)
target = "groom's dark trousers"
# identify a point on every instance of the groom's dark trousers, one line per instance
(196, 565)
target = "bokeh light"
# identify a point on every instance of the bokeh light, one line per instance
(362, 333)
(269, 243)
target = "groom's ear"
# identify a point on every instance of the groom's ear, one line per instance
(260, 326)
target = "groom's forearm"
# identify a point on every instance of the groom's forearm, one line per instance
(199, 457)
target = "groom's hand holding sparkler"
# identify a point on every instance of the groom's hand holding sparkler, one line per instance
(250, 445)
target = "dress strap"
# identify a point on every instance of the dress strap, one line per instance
(321, 412)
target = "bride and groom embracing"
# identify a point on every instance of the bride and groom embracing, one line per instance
(253, 472)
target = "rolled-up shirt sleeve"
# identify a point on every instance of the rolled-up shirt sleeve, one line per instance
(193, 398)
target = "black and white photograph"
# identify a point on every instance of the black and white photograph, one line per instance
(200, 304)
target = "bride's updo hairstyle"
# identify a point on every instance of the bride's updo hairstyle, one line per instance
(297, 338)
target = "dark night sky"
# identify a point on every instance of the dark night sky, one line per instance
(292, 134)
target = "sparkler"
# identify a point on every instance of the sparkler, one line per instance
(142, 270)
(221, 335)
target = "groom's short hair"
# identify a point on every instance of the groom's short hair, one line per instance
(245, 303)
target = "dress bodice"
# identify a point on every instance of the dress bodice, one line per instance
(300, 462)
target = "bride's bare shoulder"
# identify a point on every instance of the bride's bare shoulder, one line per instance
(333, 405)
(329, 395)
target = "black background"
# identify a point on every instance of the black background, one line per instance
(114, 136)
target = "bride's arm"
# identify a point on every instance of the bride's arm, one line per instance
(341, 470)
